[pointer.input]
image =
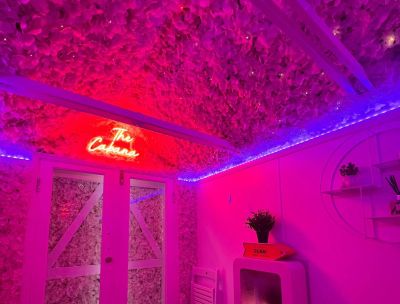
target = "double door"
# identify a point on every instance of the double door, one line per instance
(96, 235)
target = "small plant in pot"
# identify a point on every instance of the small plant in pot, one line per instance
(394, 206)
(262, 222)
(348, 172)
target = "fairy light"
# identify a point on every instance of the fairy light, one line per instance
(336, 31)
(390, 40)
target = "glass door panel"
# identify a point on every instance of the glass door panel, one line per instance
(146, 242)
(74, 245)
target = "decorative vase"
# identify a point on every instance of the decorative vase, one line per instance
(262, 236)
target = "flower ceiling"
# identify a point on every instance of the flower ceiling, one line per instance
(216, 66)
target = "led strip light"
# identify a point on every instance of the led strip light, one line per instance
(377, 110)
(14, 156)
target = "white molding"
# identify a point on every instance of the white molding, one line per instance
(73, 228)
(60, 97)
(72, 271)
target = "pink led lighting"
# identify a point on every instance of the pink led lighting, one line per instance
(14, 156)
(294, 142)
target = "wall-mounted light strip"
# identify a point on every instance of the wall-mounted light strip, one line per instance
(376, 110)
(14, 156)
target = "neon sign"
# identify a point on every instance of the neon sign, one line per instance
(98, 145)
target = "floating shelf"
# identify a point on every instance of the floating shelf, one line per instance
(391, 164)
(352, 189)
(385, 218)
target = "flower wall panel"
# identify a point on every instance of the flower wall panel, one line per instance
(69, 196)
(152, 210)
(85, 246)
(145, 286)
(15, 177)
(139, 248)
(82, 290)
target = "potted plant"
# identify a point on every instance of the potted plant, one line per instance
(262, 222)
(394, 206)
(348, 172)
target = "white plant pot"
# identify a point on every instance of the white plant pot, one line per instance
(348, 181)
(362, 178)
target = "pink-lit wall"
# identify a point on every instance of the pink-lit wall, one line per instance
(344, 267)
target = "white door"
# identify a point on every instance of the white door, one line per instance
(153, 241)
(77, 236)
(98, 235)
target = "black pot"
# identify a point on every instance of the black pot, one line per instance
(262, 236)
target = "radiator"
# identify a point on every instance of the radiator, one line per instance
(204, 286)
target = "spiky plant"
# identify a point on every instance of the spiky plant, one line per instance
(261, 221)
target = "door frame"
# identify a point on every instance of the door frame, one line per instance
(38, 224)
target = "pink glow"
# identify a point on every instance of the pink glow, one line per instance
(342, 255)
(192, 55)
(291, 88)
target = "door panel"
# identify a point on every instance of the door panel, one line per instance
(74, 238)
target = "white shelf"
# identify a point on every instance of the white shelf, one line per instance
(385, 218)
(352, 189)
(391, 164)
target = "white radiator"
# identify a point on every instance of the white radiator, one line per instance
(204, 286)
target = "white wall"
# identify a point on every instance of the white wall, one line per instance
(343, 266)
